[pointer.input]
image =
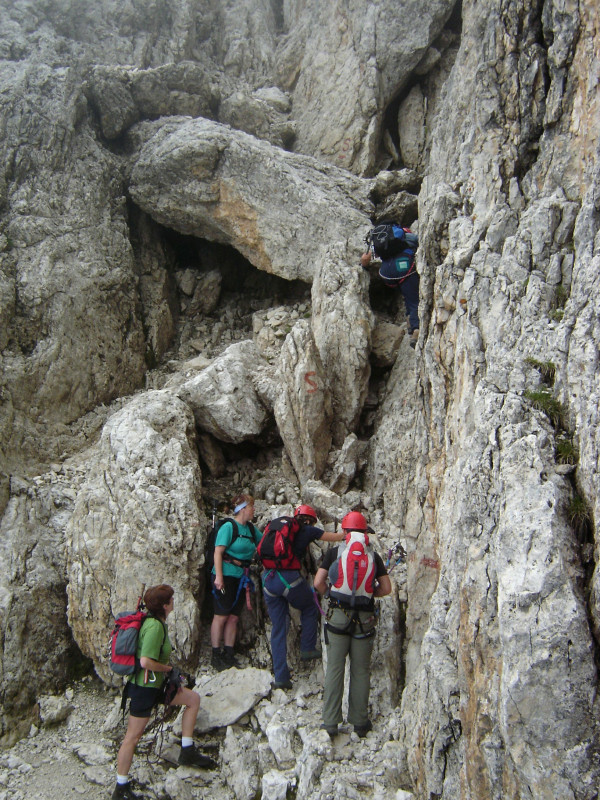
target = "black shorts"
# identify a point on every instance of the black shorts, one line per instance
(226, 604)
(142, 699)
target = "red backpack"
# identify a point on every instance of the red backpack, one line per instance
(275, 549)
(124, 640)
(352, 574)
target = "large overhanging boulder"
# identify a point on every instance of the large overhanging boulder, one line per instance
(137, 522)
(278, 209)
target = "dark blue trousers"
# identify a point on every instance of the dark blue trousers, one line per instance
(410, 291)
(299, 596)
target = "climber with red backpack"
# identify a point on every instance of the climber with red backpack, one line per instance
(280, 550)
(356, 575)
(152, 680)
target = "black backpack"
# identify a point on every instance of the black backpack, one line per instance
(276, 548)
(212, 537)
(389, 240)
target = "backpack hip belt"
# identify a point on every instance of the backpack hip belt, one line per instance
(238, 562)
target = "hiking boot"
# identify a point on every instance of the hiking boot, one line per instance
(230, 660)
(362, 730)
(413, 338)
(217, 661)
(192, 757)
(282, 685)
(309, 655)
(331, 729)
(123, 791)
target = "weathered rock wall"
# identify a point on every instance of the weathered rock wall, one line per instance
(119, 121)
(503, 206)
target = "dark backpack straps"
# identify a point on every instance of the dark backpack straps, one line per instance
(236, 530)
(255, 532)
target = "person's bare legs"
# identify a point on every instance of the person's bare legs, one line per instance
(191, 701)
(133, 734)
(230, 632)
(216, 629)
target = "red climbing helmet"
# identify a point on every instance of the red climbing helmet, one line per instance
(306, 511)
(354, 521)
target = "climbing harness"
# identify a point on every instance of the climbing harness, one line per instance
(353, 620)
(245, 582)
(287, 585)
(398, 553)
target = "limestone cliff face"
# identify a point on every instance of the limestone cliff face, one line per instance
(176, 179)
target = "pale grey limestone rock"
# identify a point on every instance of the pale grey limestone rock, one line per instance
(92, 753)
(270, 327)
(303, 410)
(308, 770)
(274, 785)
(32, 580)
(358, 47)
(122, 96)
(254, 115)
(502, 569)
(411, 128)
(137, 522)
(158, 304)
(177, 788)
(223, 398)
(211, 453)
(385, 343)
(240, 764)
(342, 324)
(499, 628)
(276, 208)
(281, 737)
(226, 697)
(326, 503)
(202, 290)
(54, 709)
(389, 182)
(401, 207)
(350, 459)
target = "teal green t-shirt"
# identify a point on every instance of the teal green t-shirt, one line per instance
(153, 642)
(242, 548)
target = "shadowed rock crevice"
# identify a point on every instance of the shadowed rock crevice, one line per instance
(406, 127)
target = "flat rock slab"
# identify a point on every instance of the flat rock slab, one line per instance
(229, 695)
